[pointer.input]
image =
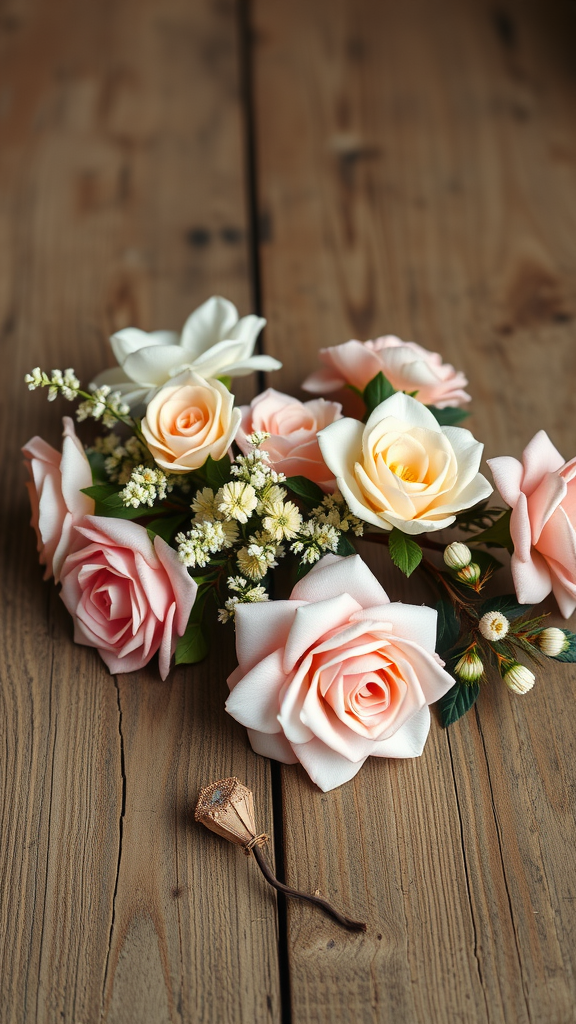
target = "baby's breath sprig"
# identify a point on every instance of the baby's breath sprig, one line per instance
(99, 403)
(243, 593)
(145, 487)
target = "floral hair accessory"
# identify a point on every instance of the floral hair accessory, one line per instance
(168, 520)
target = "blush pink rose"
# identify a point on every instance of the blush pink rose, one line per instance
(407, 366)
(128, 597)
(54, 489)
(336, 673)
(541, 491)
(293, 447)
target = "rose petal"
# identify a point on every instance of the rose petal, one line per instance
(254, 701)
(324, 766)
(507, 473)
(539, 457)
(333, 575)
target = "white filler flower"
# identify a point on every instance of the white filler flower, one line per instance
(213, 343)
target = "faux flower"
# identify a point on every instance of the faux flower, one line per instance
(541, 490)
(189, 420)
(336, 673)
(213, 342)
(54, 488)
(402, 469)
(407, 366)
(128, 597)
(293, 446)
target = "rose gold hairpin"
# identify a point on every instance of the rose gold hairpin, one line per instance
(227, 808)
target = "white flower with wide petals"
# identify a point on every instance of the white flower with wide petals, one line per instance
(213, 343)
(402, 469)
(336, 674)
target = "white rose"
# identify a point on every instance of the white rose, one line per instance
(403, 469)
(213, 342)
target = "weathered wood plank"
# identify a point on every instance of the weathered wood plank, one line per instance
(122, 201)
(417, 174)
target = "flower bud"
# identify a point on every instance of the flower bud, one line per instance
(494, 625)
(519, 678)
(552, 641)
(457, 555)
(469, 668)
(470, 574)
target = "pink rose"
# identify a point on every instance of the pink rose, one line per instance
(54, 489)
(336, 673)
(407, 366)
(541, 490)
(128, 597)
(293, 447)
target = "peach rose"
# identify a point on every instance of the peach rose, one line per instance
(188, 420)
(336, 673)
(403, 469)
(407, 366)
(128, 597)
(541, 490)
(293, 447)
(54, 489)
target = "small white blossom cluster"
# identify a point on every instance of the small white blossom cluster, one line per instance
(254, 496)
(334, 512)
(64, 382)
(103, 404)
(255, 470)
(121, 457)
(145, 487)
(314, 540)
(204, 539)
(260, 554)
(243, 594)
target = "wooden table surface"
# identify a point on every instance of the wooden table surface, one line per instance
(348, 169)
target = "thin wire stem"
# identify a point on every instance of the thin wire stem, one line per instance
(346, 922)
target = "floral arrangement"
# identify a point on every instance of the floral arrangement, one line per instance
(184, 504)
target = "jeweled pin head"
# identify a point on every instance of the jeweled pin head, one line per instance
(227, 808)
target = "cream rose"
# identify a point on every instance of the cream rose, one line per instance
(403, 469)
(188, 420)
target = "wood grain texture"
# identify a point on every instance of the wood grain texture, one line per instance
(122, 201)
(417, 175)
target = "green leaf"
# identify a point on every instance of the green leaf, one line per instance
(217, 473)
(448, 627)
(109, 503)
(505, 603)
(376, 391)
(497, 535)
(97, 460)
(166, 526)
(449, 416)
(99, 492)
(570, 653)
(226, 381)
(345, 546)
(192, 646)
(308, 491)
(404, 552)
(459, 699)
